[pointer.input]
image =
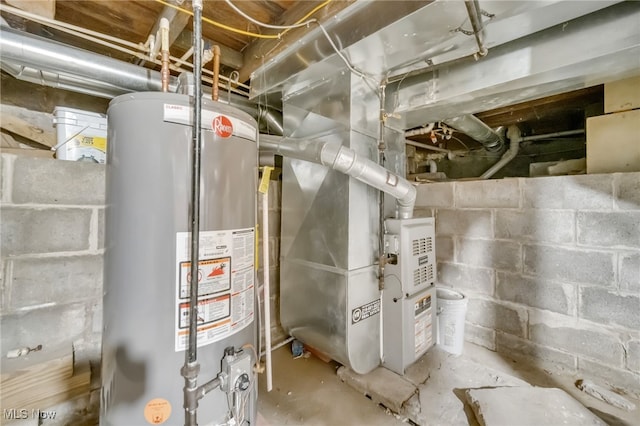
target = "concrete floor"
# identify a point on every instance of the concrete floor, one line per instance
(307, 391)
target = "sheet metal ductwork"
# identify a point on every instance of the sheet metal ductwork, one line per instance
(475, 128)
(347, 161)
(38, 60)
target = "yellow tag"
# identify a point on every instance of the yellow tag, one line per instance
(264, 182)
(92, 142)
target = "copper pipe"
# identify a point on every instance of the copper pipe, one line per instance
(164, 42)
(216, 72)
(165, 75)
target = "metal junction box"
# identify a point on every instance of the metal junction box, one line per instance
(409, 300)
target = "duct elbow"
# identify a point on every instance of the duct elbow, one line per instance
(406, 204)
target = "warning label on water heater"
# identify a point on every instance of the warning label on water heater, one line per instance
(225, 285)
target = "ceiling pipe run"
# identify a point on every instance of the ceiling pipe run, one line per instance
(347, 161)
(49, 63)
(475, 128)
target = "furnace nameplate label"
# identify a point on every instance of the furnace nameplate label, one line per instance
(365, 311)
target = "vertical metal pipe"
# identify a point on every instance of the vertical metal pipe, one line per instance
(191, 367)
(195, 180)
(475, 16)
(381, 159)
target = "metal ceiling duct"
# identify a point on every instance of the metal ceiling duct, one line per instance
(39, 60)
(474, 127)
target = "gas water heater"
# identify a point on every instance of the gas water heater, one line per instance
(147, 261)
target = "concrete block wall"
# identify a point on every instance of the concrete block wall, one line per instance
(51, 290)
(551, 266)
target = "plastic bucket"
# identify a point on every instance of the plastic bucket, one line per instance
(452, 309)
(81, 135)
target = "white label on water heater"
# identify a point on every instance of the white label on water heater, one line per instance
(181, 114)
(225, 285)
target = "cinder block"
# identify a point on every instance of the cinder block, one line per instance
(593, 192)
(629, 272)
(435, 194)
(101, 228)
(633, 356)
(97, 316)
(467, 223)
(463, 278)
(518, 348)
(423, 212)
(4, 169)
(488, 193)
(503, 255)
(616, 378)
(57, 279)
(627, 190)
(480, 336)
(535, 292)
(44, 326)
(553, 226)
(26, 230)
(612, 142)
(44, 181)
(610, 229)
(580, 342)
(497, 317)
(606, 307)
(444, 249)
(570, 265)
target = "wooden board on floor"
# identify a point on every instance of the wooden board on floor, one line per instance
(42, 379)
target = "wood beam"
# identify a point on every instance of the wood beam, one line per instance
(46, 8)
(177, 23)
(229, 57)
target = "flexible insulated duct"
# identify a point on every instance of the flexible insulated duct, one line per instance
(39, 60)
(347, 161)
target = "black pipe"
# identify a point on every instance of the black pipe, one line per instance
(191, 367)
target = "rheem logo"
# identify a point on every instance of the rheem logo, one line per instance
(222, 126)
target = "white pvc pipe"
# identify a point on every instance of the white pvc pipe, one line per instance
(509, 155)
(266, 292)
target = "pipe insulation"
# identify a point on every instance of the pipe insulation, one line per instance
(38, 60)
(347, 161)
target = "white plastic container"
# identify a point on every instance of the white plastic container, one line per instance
(452, 309)
(81, 135)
